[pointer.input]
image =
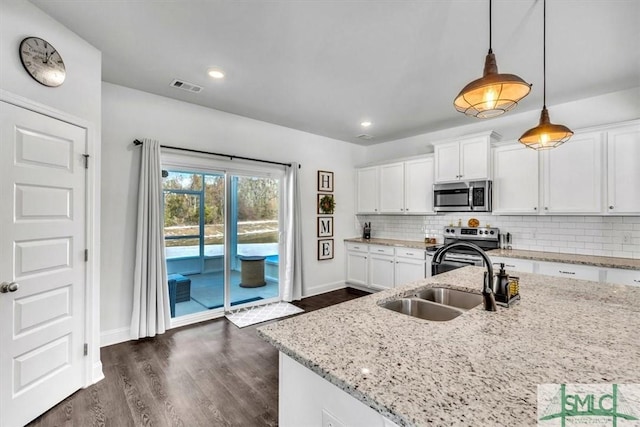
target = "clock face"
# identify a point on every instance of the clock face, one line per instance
(42, 61)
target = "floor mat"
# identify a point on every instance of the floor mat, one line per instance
(251, 316)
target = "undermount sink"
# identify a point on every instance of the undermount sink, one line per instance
(423, 309)
(451, 297)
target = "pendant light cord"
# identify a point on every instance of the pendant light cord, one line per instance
(490, 49)
(544, 53)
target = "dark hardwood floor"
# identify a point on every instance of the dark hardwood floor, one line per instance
(207, 374)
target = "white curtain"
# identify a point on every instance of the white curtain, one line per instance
(150, 314)
(291, 287)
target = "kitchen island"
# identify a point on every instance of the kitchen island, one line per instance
(481, 368)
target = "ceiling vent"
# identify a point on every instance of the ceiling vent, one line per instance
(365, 136)
(189, 87)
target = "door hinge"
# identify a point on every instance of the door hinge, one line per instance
(86, 349)
(86, 255)
(86, 161)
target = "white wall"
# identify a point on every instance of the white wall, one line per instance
(79, 95)
(599, 110)
(78, 100)
(130, 114)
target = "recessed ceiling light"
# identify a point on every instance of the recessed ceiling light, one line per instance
(216, 73)
(365, 124)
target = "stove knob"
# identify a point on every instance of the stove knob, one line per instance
(491, 232)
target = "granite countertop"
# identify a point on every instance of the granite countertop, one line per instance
(596, 261)
(414, 244)
(481, 368)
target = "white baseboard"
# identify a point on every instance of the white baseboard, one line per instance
(323, 289)
(115, 336)
(96, 372)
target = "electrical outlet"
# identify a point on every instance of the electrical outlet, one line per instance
(329, 420)
(626, 237)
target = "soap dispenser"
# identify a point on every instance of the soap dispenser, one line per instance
(501, 285)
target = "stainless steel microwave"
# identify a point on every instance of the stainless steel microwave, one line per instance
(463, 196)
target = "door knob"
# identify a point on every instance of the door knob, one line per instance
(8, 287)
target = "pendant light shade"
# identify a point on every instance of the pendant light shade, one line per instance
(546, 135)
(493, 94)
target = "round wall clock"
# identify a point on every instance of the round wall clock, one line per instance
(42, 61)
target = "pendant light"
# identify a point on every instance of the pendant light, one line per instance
(493, 94)
(546, 135)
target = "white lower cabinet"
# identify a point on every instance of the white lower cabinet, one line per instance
(513, 265)
(622, 277)
(357, 263)
(381, 271)
(573, 271)
(384, 267)
(410, 266)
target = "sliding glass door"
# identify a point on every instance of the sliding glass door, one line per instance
(254, 231)
(221, 237)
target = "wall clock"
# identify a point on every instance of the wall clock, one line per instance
(42, 61)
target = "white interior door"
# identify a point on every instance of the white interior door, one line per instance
(42, 254)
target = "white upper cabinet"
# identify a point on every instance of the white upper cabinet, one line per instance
(515, 180)
(367, 189)
(396, 188)
(392, 188)
(418, 186)
(465, 159)
(572, 175)
(623, 170)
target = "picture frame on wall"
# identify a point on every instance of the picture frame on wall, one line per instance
(325, 181)
(326, 204)
(325, 226)
(325, 249)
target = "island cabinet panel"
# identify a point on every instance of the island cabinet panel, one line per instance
(306, 399)
(572, 176)
(623, 171)
(515, 180)
(573, 271)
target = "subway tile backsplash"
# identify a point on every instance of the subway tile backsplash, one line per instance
(617, 236)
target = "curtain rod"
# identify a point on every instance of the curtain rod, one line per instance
(230, 156)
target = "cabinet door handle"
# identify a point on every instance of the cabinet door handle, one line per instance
(636, 280)
(535, 208)
(566, 272)
(611, 207)
(546, 208)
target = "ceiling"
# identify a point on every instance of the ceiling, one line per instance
(324, 66)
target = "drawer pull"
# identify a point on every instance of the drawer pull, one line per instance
(512, 266)
(410, 253)
(636, 280)
(380, 250)
(566, 272)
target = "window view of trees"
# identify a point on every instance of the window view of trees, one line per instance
(192, 197)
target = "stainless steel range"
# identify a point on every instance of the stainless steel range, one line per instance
(486, 238)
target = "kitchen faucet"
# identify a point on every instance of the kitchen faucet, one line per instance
(489, 300)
